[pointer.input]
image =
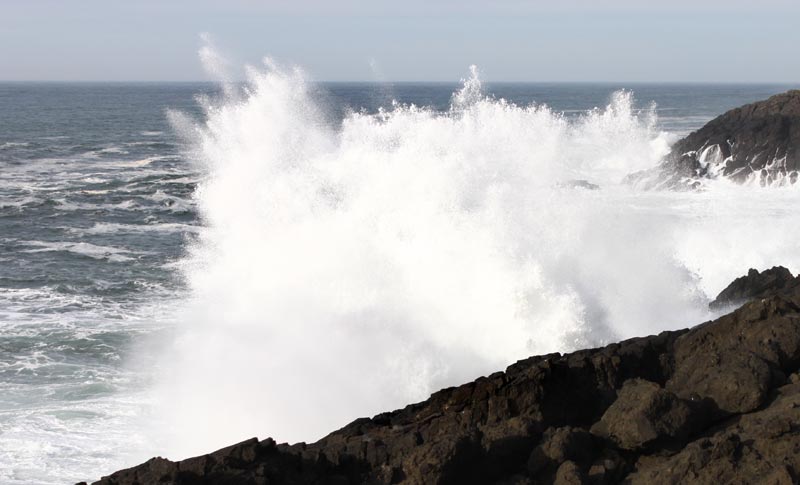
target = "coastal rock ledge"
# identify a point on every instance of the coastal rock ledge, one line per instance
(717, 403)
(757, 143)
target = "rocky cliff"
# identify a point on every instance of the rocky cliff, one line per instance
(757, 143)
(717, 403)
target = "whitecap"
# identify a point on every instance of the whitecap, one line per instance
(82, 248)
(172, 203)
(112, 150)
(12, 144)
(135, 163)
(20, 203)
(65, 205)
(114, 228)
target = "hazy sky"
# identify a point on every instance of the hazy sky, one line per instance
(562, 40)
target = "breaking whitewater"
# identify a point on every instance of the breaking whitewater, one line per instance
(328, 267)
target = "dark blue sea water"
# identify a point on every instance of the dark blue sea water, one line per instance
(96, 215)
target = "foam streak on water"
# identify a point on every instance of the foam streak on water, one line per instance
(354, 268)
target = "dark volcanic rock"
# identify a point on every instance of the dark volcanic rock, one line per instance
(761, 447)
(735, 361)
(757, 142)
(754, 285)
(645, 413)
(569, 473)
(721, 387)
(559, 445)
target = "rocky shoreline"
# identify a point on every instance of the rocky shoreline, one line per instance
(757, 143)
(716, 403)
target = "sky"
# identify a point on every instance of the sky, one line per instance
(413, 40)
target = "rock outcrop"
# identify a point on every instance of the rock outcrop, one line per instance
(717, 403)
(758, 142)
(753, 285)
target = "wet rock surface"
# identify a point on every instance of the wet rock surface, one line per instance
(716, 403)
(753, 285)
(758, 142)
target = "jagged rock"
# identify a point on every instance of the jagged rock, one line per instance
(762, 447)
(559, 445)
(606, 470)
(758, 142)
(755, 285)
(733, 361)
(736, 383)
(644, 413)
(569, 473)
(489, 430)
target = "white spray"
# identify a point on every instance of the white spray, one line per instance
(351, 269)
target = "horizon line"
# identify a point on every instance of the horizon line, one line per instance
(459, 81)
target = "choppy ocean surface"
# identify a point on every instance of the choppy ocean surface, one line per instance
(182, 268)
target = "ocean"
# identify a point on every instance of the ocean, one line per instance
(184, 266)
